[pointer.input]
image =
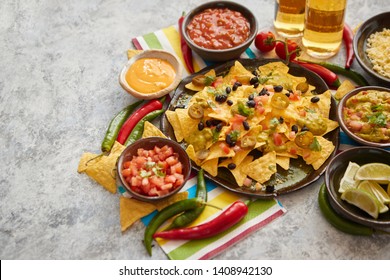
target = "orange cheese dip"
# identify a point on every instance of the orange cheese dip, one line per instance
(149, 75)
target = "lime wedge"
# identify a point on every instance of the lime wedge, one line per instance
(381, 196)
(348, 181)
(379, 172)
(362, 200)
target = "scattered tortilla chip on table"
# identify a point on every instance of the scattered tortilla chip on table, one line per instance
(101, 168)
(150, 130)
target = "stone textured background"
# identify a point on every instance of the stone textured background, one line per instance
(60, 62)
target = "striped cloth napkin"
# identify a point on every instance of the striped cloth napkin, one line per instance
(261, 212)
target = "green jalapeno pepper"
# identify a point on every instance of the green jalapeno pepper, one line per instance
(166, 213)
(138, 129)
(116, 124)
(190, 215)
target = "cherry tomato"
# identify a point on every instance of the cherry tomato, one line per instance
(292, 48)
(265, 41)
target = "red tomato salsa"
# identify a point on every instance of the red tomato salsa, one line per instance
(154, 172)
(218, 28)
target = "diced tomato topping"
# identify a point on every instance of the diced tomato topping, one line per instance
(225, 148)
(172, 160)
(217, 82)
(294, 96)
(177, 168)
(278, 140)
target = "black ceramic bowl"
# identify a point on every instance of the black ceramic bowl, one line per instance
(221, 54)
(148, 144)
(375, 24)
(336, 170)
(344, 127)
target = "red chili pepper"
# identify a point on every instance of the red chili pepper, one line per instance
(231, 216)
(348, 40)
(330, 78)
(185, 49)
(152, 105)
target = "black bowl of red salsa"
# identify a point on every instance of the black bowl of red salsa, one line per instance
(364, 115)
(219, 30)
(153, 168)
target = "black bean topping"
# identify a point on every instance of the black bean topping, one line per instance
(209, 123)
(263, 92)
(246, 125)
(228, 90)
(294, 128)
(231, 166)
(215, 122)
(229, 102)
(200, 126)
(281, 120)
(236, 85)
(315, 99)
(256, 85)
(278, 88)
(250, 97)
(228, 139)
(254, 80)
(251, 103)
(220, 98)
(218, 128)
(287, 94)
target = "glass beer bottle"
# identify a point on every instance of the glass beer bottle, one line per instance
(289, 17)
(324, 23)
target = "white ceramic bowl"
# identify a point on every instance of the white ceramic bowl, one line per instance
(171, 58)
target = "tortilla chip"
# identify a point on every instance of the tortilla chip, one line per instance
(238, 73)
(283, 162)
(102, 168)
(262, 168)
(151, 130)
(238, 172)
(345, 87)
(192, 155)
(217, 152)
(188, 125)
(174, 121)
(211, 166)
(327, 149)
(131, 210)
(193, 87)
(85, 159)
(330, 125)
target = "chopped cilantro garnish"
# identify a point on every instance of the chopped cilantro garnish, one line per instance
(234, 135)
(378, 119)
(315, 145)
(244, 110)
(209, 80)
(144, 174)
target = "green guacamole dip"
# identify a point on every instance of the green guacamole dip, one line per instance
(367, 114)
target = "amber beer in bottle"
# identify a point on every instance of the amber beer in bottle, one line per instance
(324, 23)
(289, 17)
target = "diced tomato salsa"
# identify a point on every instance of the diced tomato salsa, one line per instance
(155, 172)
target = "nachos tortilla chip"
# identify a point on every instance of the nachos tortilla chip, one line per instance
(262, 168)
(151, 130)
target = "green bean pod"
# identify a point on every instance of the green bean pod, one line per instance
(166, 213)
(115, 125)
(138, 129)
(190, 215)
(338, 222)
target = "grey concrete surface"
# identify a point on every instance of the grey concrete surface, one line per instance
(60, 62)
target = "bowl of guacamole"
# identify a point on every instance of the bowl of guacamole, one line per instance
(364, 115)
